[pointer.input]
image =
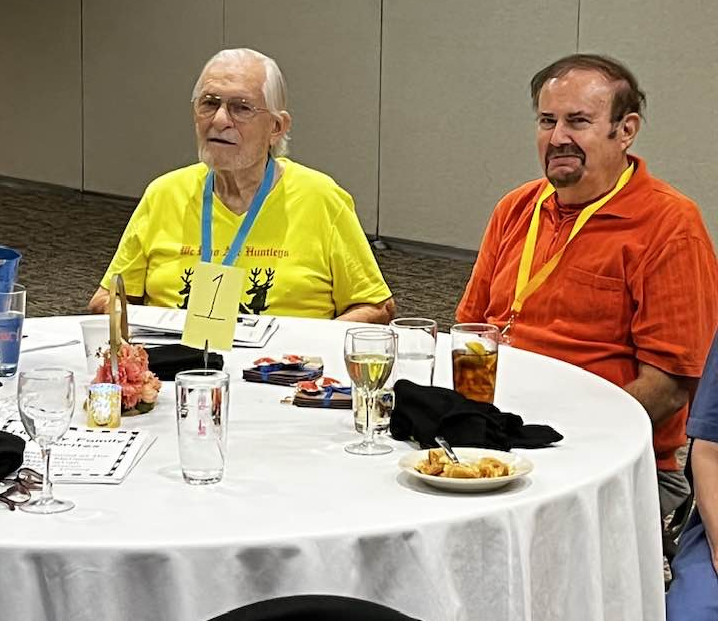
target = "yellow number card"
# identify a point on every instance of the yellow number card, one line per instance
(212, 307)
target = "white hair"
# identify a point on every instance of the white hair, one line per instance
(274, 87)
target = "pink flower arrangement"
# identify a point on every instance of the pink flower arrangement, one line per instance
(140, 386)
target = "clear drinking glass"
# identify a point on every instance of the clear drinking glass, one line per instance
(474, 357)
(46, 399)
(202, 399)
(381, 414)
(415, 355)
(369, 354)
(416, 349)
(12, 314)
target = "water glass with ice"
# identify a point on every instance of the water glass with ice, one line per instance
(202, 400)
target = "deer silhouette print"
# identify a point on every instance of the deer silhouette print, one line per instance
(258, 303)
(187, 287)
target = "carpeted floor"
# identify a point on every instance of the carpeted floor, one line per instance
(67, 240)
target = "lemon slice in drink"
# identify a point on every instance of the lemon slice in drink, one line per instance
(476, 348)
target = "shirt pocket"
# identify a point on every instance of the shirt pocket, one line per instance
(593, 307)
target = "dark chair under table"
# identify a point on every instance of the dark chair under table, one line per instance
(314, 608)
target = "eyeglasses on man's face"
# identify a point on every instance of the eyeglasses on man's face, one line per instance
(240, 110)
(16, 491)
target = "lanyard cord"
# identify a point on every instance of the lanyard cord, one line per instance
(247, 223)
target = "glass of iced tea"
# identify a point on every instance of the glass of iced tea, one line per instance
(474, 353)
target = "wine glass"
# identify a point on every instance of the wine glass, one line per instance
(46, 399)
(369, 354)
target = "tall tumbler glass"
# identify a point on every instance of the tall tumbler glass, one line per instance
(415, 350)
(474, 355)
(415, 355)
(12, 314)
(202, 399)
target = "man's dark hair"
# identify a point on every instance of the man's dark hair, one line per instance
(627, 97)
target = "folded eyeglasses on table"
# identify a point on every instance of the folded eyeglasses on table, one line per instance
(17, 490)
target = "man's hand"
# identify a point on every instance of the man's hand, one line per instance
(704, 460)
(101, 301)
(661, 393)
(383, 312)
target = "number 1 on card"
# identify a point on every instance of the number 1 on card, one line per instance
(218, 280)
(212, 306)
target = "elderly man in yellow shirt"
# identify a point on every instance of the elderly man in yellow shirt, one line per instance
(305, 254)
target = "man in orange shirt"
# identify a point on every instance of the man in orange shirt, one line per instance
(600, 264)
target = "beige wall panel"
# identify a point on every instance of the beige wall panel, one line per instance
(672, 47)
(457, 126)
(40, 119)
(141, 60)
(329, 53)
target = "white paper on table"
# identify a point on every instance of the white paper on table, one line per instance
(87, 455)
(152, 325)
(8, 407)
(37, 341)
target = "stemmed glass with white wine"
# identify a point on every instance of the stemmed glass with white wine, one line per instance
(46, 399)
(369, 354)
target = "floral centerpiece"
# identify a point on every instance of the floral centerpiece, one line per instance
(140, 386)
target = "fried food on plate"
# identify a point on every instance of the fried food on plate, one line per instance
(438, 464)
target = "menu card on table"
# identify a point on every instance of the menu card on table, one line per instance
(152, 325)
(85, 455)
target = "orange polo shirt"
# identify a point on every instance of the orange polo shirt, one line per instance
(638, 283)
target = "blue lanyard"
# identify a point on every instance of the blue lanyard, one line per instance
(247, 223)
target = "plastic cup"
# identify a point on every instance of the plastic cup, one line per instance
(9, 263)
(96, 339)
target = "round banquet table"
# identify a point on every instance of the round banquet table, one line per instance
(578, 538)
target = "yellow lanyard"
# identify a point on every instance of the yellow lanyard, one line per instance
(525, 286)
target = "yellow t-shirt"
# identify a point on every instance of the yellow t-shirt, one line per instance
(306, 254)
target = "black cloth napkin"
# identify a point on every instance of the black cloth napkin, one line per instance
(12, 448)
(424, 412)
(166, 361)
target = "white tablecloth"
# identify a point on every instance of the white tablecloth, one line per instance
(577, 539)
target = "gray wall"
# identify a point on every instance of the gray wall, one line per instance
(418, 107)
(456, 123)
(41, 91)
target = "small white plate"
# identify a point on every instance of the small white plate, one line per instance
(521, 467)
